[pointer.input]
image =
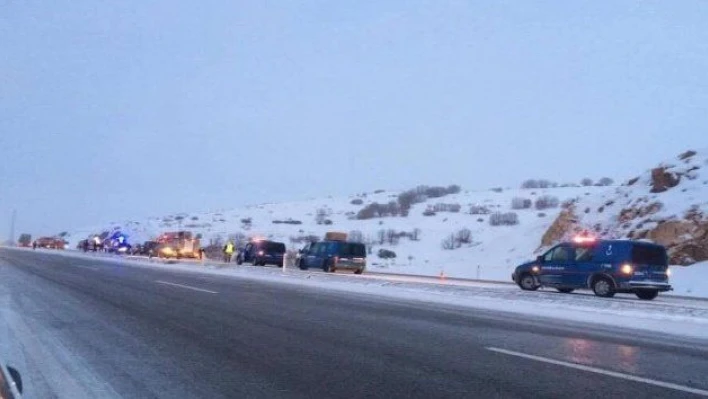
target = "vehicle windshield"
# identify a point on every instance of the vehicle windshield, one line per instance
(649, 255)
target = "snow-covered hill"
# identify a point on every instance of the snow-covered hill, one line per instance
(490, 253)
(453, 233)
(667, 204)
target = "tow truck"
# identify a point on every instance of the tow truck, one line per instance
(178, 244)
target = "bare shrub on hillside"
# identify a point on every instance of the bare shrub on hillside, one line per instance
(605, 181)
(386, 254)
(440, 207)
(520, 203)
(321, 214)
(546, 202)
(357, 201)
(503, 219)
(376, 210)
(421, 193)
(463, 236)
(479, 210)
(530, 183)
(586, 182)
(449, 242)
(381, 237)
(392, 237)
(239, 239)
(304, 239)
(356, 236)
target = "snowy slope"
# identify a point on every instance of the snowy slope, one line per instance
(492, 254)
(667, 204)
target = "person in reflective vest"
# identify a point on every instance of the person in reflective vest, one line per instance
(228, 251)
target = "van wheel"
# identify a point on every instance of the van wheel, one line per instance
(328, 267)
(602, 287)
(647, 295)
(565, 290)
(528, 283)
(359, 271)
(239, 261)
(300, 265)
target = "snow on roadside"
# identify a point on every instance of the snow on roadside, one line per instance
(690, 280)
(668, 315)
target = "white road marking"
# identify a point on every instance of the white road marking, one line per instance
(596, 370)
(185, 286)
(86, 267)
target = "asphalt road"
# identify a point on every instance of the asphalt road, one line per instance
(92, 328)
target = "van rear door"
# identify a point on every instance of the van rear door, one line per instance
(650, 262)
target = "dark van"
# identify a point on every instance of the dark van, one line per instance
(604, 266)
(331, 256)
(262, 252)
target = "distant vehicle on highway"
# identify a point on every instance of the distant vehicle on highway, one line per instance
(262, 252)
(25, 240)
(148, 248)
(333, 255)
(604, 266)
(50, 243)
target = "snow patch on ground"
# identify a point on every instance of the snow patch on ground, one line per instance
(690, 280)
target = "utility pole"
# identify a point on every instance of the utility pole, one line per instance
(12, 227)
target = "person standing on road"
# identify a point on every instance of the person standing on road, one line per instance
(228, 251)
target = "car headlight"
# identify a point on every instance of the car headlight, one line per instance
(261, 253)
(627, 269)
(668, 271)
(535, 269)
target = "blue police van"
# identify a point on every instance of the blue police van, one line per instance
(604, 266)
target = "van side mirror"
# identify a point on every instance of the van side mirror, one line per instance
(539, 259)
(15, 375)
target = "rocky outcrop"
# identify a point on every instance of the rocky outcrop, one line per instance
(661, 180)
(564, 223)
(628, 214)
(686, 240)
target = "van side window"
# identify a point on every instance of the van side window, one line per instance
(548, 256)
(332, 248)
(560, 254)
(583, 254)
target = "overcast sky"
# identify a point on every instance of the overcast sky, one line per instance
(118, 109)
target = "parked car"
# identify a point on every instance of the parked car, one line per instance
(149, 248)
(262, 252)
(604, 266)
(331, 256)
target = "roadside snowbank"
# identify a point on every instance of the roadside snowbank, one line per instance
(690, 280)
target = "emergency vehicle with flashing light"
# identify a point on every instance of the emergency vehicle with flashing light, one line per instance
(606, 267)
